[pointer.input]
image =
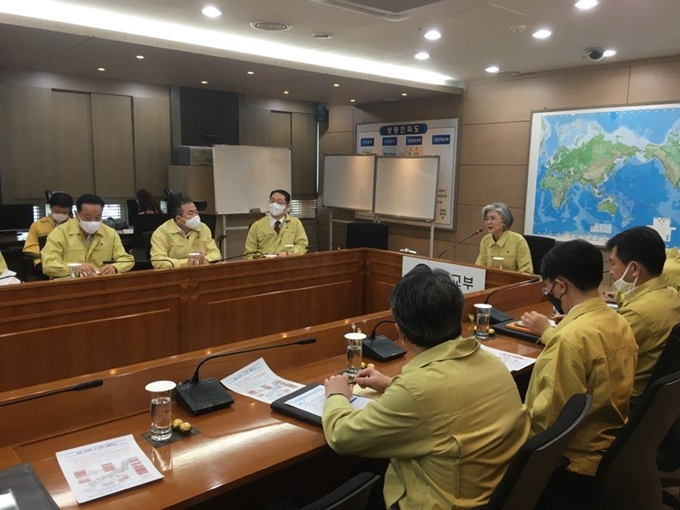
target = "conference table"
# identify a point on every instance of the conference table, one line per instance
(245, 456)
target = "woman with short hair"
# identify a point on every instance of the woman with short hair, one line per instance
(502, 242)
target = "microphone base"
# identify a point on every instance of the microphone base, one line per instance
(381, 348)
(203, 397)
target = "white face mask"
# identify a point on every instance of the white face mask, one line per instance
(276, 209)
(59, 218)
(90, 227)
(623, 287)
(193, 223)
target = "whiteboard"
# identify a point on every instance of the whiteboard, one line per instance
(348, 181)
(245, 175)
(406, 187)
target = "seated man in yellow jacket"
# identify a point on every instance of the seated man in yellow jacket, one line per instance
(86, 241)
(646, 301)
(592, 350)
(183, 240)
(61, 205)
(450, 422)
(278, 233)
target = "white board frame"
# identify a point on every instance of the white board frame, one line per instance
(394, 193)
(244, 175)
(343, 170)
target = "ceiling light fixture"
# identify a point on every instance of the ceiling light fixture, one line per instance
(404, 94)
(322, 35)
(432, 35)
(492, 69)
(286, 92)
(336, 84)
(423, 55)
(609, 53)
(542, 33)
(102, 69)
(140, 57)
(584, 5)
(352, 100)
(251, 72)
(211, 12)
(149, 27)
(204, 82)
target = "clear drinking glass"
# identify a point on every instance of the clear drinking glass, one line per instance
(483, 321)
(497, 262)
(161, 409)
(353, 353)
(74, 268)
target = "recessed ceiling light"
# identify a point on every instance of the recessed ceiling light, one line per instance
(270, 26)
(102, 69)
(211, 12)
(251, 72)
(542, 33)
(140, 57)
(204, 82)
(286, 92)
(336, 84)
(404, 94)
(492, 69)
(352, 100)
(422, 55)
(432, 35)
(586, 4)
(609, 53)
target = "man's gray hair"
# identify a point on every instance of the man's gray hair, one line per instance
(503, 210)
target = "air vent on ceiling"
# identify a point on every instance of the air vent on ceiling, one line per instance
(391, 10)
(270, 26)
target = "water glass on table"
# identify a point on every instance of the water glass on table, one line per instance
(482, 320)
(161, 409)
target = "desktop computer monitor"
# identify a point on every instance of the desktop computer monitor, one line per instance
(16, 217)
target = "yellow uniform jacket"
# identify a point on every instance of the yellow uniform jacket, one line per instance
(169, 242)
(511, 246)
(263, 238)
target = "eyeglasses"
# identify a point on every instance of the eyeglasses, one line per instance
(545, 290)
(492, 218)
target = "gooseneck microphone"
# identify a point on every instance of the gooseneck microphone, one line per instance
(200, 396)
(237, 256)
(476, 232)
(372, 335)
(513, 286)
(76, 387)
(381, 348)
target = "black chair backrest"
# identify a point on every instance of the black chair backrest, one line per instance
(132, 210)
(533, 465)
(211, 221)
(367, 235)
(145, 225)
(539, 246)
(42, 241)
(627, 476)
(351, 495)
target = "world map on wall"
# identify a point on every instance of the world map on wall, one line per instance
(595, 173)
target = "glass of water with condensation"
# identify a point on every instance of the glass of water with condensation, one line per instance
(353, 353)
(161, 409)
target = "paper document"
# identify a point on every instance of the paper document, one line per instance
(312, 401)
(512, 362)
(104, 468)
(259, 382)
(8, 277)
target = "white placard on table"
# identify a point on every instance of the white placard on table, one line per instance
(468, 279)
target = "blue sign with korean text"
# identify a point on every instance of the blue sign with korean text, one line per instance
(441, 139)
(414, 140)
(367, 142)
(389, 140)
(404, 129)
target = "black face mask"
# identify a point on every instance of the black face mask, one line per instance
(557, 303)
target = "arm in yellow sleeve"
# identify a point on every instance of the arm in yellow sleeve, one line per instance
(52, 255)
(301, 242)
(391, 427)
(31, 245)
(524, 264)
(160, 250)
(3, 264)
(251, 242)
(213, 253)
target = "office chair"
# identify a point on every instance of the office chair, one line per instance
(538, 246)
(173, 196)
(533, 465)
(211, 221)
(145, 226)
(201, 205)
(132, 210)
(351, 495)
(627, 476)
(362, 234)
